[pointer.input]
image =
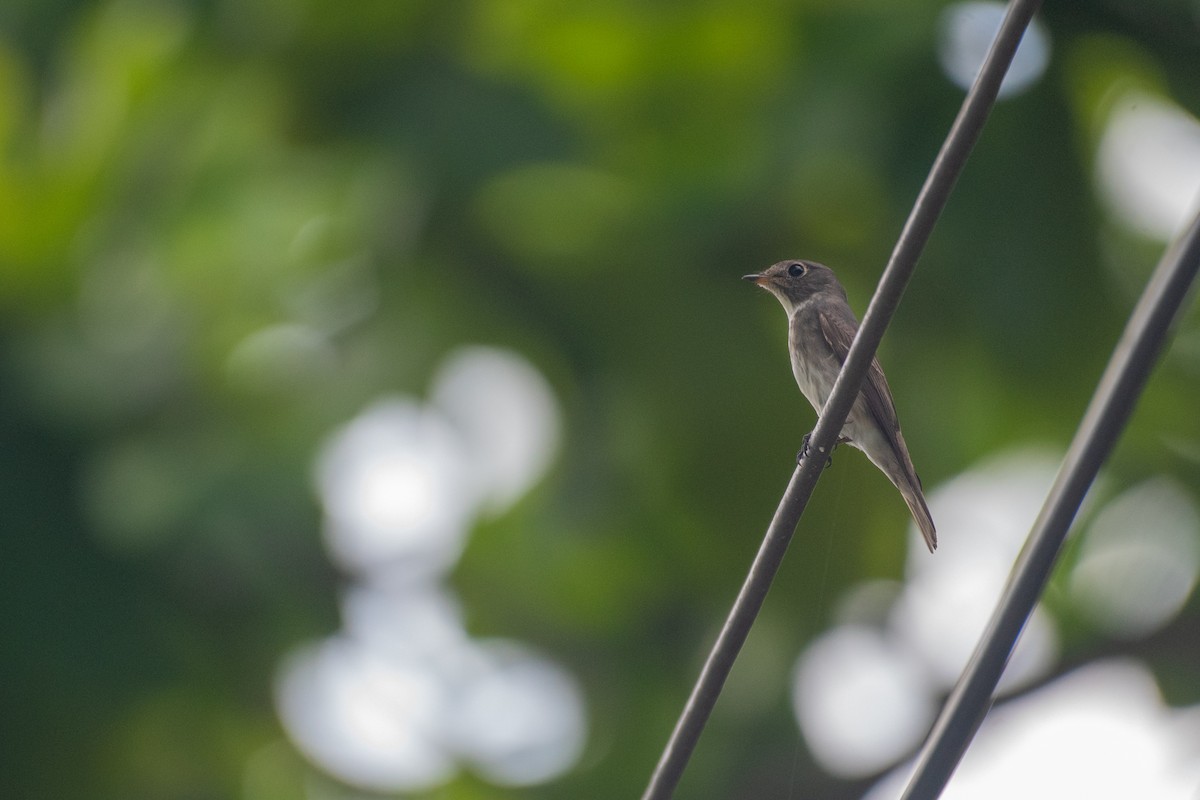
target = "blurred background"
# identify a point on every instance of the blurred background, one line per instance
(381, 414)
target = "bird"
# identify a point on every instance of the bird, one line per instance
(821, 328)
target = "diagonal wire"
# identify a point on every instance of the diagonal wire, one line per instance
(1105, 418)
(929, 204)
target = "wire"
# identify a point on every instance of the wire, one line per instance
(928, 207)
(1105, 418)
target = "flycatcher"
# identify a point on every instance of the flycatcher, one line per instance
(821, 327)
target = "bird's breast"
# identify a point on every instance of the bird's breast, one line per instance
(814, 368)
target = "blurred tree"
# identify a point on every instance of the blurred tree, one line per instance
(226, 228)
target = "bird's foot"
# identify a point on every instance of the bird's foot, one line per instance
(804, 451)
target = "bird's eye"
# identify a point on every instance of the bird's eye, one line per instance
(796, 270)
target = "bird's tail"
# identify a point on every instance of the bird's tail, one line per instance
(920, 512)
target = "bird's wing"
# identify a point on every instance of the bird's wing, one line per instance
(838, 330)
(839, 326)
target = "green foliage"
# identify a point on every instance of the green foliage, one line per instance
(227, 227)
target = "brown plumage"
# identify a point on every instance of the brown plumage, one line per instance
(821, 327)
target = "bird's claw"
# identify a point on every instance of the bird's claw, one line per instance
(804, 451)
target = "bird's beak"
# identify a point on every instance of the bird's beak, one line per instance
(757, 277)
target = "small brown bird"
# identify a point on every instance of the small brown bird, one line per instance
(821, 327)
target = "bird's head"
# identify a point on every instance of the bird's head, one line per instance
(794, 281)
